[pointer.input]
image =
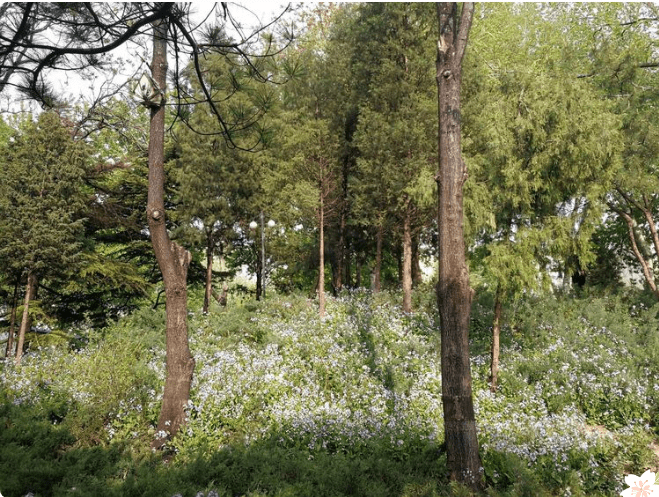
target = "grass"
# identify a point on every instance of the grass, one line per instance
(286, 404)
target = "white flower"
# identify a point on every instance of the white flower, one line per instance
(642, 486)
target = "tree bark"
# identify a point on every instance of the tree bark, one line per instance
(30, 291)
(377, 283)
(321, 249)
(264, 274)
(341, 252)
(496, 332)
(209, 271)
(173, 261)
(417, 277)
(647, 270)
(454, 295)
(259, 276)
(407, 259)
(9, 351)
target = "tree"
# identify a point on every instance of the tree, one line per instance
(310, 153)
(454, 295)
(393, 96)
(41, 205)
(86, 32)
(624, 66)
(216, 182)
(543, 147)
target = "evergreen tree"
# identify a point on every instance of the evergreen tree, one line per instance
(217, 182)
(41, 204)
(543, 148)
(622, 63)
(393, 181)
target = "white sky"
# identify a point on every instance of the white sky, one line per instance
(133, 56)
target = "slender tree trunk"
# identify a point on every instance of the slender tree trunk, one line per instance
(416, 265)
(321, 264)
(173, 261)
(496, 332)
(264, 273)
(9, 351)
(454, 295)
(30, 290)
(209, 270)
(377, 284)
(653, 229)
(340, 256)
(347, 267)
(647, 270)
(399, 260)
(259, 275)
(358, 272)
(407, 259)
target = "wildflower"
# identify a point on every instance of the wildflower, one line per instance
(642, 486)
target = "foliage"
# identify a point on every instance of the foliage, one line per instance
(41, 197)
(542, 147)
(284, 403)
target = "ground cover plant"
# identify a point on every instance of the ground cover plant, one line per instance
(286, 403)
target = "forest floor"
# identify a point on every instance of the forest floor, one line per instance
(287, 404)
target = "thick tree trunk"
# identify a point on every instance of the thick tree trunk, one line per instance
(407, 259)
(454, 295)
(496, 332)
(30, 292)
(209, 271)
(377, 283)
(173, 261)
(9, 350)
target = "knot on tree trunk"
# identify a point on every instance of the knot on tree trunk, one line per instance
(155, 214)
(181, 255)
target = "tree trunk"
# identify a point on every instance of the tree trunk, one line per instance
(496, 332)
(30, 291)
(209, 271)
(341, 252)
(264, 273)
(454, 295)
(417, 277)
(259, 276)
(407, 259)
(358, 271)
(9, 351)
(347, 268)
(645, 266)
(377, 284)
(173, 261)
(321, 253)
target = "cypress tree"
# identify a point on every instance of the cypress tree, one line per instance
(41, 204)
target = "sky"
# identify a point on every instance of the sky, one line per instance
(132, 58)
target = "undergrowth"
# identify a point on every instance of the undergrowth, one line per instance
(287, 404)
